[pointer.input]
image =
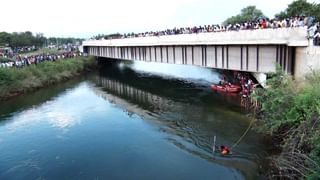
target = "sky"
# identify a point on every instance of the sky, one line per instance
(86, 18)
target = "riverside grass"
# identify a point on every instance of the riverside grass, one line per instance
(15, 81)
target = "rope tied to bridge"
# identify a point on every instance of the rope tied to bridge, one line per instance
(245, 132)
(224, 150)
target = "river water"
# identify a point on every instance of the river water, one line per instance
(124, 122)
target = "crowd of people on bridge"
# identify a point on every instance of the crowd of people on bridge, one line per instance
(262, 23)
(314, 33)
(19, 61)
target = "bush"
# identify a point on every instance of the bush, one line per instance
(291, 115)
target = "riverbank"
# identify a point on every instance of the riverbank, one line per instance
(290, 115)
(17, 81)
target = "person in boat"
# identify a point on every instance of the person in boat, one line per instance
(245, 91)
(223, 81)
(251, 86)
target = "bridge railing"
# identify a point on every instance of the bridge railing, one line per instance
(285, 36)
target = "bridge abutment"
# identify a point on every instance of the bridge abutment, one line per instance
(307, 59)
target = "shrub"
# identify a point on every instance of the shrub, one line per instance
(291, 115)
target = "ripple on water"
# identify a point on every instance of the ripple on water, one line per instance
(31, 166)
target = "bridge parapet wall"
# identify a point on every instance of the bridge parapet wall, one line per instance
(281, 36)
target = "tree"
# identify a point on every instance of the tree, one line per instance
(250, 13)
(281, 15)
(61, 41)
(17, 40)
(14, 40)
(316, 11)
(40, 40)
(299, 8)
(5, 39)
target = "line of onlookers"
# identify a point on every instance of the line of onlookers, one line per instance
(21, 61)
(262, 23)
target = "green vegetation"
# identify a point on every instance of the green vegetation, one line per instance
(15, 81)
(61, 41)
(290, 114)
(3, 59)
(300, 7)
(250, 13)
(27, 39)
(22, 39)
(296, 8)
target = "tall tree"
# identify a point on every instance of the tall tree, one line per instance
(316, 11)
(27, 39)
(250, 13)
(300, 7)
(5, 39)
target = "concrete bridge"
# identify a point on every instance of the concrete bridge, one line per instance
(256, 51)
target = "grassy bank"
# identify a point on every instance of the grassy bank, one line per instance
(15, 81)
(290, 114)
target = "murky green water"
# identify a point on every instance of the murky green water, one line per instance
(122, 124)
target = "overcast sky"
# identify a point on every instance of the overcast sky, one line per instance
(85, 18)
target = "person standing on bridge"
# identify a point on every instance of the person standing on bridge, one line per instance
(317, 37)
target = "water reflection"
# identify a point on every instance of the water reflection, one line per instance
(60, 112)
(56, 116)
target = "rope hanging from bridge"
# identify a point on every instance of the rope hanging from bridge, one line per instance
(246, 131)
(224, 149)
